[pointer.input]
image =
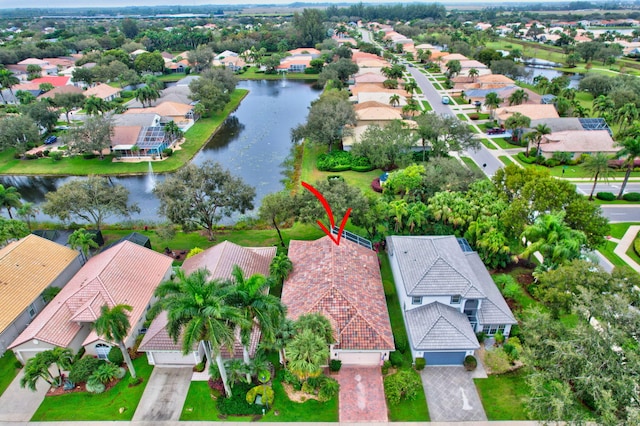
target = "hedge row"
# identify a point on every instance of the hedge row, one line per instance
(342, 161)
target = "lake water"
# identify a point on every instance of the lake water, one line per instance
(252, 144)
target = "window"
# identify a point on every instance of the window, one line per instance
(416, 300)
(490, 330)
(32, 311)
(455, 300)
(102, 350)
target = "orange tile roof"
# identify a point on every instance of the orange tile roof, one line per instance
(56, 81)
(101, 91)
(27, 267)
(124, 274)
(372, 110)
(60, 89)
(533, 111)
(165, 109)
(344, 284)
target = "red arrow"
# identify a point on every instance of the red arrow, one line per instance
(327, 208)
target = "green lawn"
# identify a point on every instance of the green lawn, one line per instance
(406, 411)
(488, 144)
(83, 406)
(617, 230)
(195, 138)
(607, 251)
(471, 164)
(504, 396)
(8, 370)
(200, 406)
(427, 106)
(505, 159)
(505, 143)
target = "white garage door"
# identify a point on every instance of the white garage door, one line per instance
(173, 358)
(359, 358)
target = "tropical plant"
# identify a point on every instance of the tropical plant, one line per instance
(280, 268)
(7, 81)
(410, 87)
(597, 165)
(172, 129)
(306, 353)
(38, 367)
(492, 101)
(474, 73)
(516, 123)
(27, 211)
(113, 324)
(626, 115)
(518, 97)
(630, 151)
(536, 137)
(197, 311)
(394, 100)
(82, 240)
(9, 199)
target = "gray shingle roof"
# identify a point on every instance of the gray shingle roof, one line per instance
(434, 266)
(439, 327)
(494, 309)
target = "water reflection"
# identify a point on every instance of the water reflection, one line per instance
(252, 143)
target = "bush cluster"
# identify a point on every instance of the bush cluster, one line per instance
(341, 161)
(290, 378)
(400, 342)
(636, 245)
(385, 367)
(167, 152)
(335, 365)
(396, 359)
(84, 368)
(404, 384)
(237, 405)
(421, 363)
(470, 363)
(115, 356)
(266, 392)
(631, 196)
(605, 196)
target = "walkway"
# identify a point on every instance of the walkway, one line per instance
(624, 244)
(451, 395)
(19, 404)
(164, 395)
(362, 395)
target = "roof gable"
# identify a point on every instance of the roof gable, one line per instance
(439, 327)
(221, 258)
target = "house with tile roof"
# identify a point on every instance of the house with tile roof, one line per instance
(446, 295)
(103, 91)
(124, 274)
(343, 283)
(219, 261)
(578, 142)
(28, 267)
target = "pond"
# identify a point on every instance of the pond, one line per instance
(252, 143)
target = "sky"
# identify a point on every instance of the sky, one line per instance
(10, 4)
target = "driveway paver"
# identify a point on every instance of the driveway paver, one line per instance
(452, 395)
(19, 404)
(164, 396)
(362, 395)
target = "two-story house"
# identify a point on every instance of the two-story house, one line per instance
(446, 295)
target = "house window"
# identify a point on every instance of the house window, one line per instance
(416, 300)
(102, 350)
(455, 300)
(491, 330)
(32, 310)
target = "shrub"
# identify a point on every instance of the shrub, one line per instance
(329, 388)
(30, 157)
(420, 363)
(605, 196)
(470, 363)
(335, 365)
(512, 290)
(551, 162)
(401, 342)
(497, 361)
(105, 373)
(265, 391)
(511, 351)
(216, 385)
(376, 186)
(396, 359)
(385, 367)
(335, 178)
(525, 159)
(636, 245)
(89, 155)
(78, 355)
(134, 381)
(404, 384)
(481, 336)
(95, 386)
(237, 405)
(631, 196)
(334, 161)
(115, 355)
(46, 152)
(167, 152)
(474, 116)
(292, 379)
(84, 368)
(361, 164)
(17, 155)
(199, 367)
(499, 338)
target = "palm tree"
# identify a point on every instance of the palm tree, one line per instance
(597, 165)
(516, 123)
(398, 210)
(554, 239)
(113, 324)
(257, 306)
(38, 367)
(474, 73)
(146, 94)
(603, 106)
(95, 105)
(542, 83)
(306, 353)
(27, 211)
(630, 150)
(410, 108)
(537, 134)
(394, 100)
(410, 87)
(7, 81)
(518, 97)
(417, 215)
(9, 198)
(453, 68)
(172, 129)
(82, 240)
(280, 268)
(197, 311)
(283, 336)
(492, 101)
(626, 115)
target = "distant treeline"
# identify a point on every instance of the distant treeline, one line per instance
(396, 12)
(120, 11)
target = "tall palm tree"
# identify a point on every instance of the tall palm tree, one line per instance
(113, 324)
(9, 198)
(516, 123)
(394, 100)
(603, 106)
(597, 165)
(306, 353)
(197, 311)
(492, 101)
(630, 151)
(539, 131)
(283, 336)
(173, 130)
(251, 296)
(474, 73)
(518, 97)
(7, 81)
(95, 105)
(626, 115)
(39, 366)
(410, 87)
(83, 241)
(280, 268)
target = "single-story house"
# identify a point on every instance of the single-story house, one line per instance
(343, 283)
(533, 111)
(56, 81)
(181, 114)
(578, 142)
(103, 91)
(305, 51)
(446, 296)
(219, 261)
(28, 267)
(234, 63)
(124, 274)
(60, 90)
(297, 63)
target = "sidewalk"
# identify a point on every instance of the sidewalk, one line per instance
(19, 404)
(624, 244)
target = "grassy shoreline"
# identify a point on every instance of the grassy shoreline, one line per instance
(195, 138)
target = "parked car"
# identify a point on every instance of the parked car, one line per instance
(51, 139)
(496, 131)
(446, 100)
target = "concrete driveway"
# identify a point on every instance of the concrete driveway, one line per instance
(452, 395)
(19, 404)
(361, 395)
(164, 396)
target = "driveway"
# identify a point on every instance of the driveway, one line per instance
(164, 396)
(452, 395)
(362, 395)
(19, 404)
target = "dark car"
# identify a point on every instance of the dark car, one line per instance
(495, 131)
(51, 139)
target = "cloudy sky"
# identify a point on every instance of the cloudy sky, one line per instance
(10, 4)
